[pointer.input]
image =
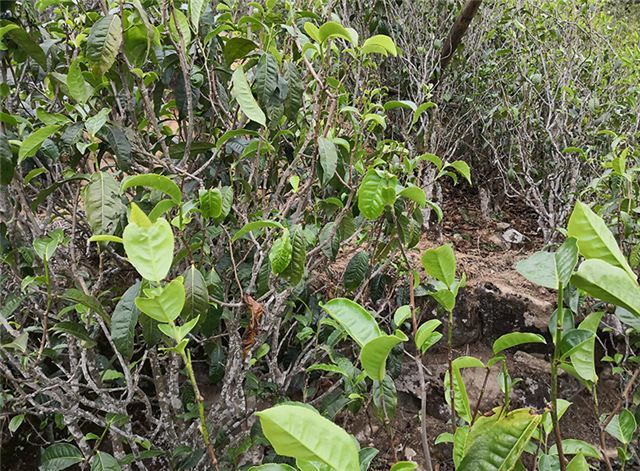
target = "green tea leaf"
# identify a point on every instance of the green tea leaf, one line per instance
(245, 99)
(303, 434)
(104, 43)
(441, 264)
(356, 321)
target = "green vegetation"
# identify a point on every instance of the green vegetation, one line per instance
(179, 180)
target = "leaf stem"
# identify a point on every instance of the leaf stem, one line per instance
(554, 380)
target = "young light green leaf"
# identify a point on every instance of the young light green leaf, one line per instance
(499, 446)
(183, 25)
(332, 29)
(380, 40)
(149, 246)
(196, 9)
(404, 466)
(34, 141)
(104, 43)
(157, 182)
(167, 305)
(416, 194)
(401, 315)
(608, 283)
(516, 338)
(77, 85)
(622, 426)
(441, 264)
(424, 334)
(575, 447)
(375, 352)
(95, 123)
(245, 99)
(15, 422)
(595, 240)
(303, 434)
(356, 321)
(252, 226)
(462, 168)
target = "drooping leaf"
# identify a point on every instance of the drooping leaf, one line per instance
(293, 101)
(328, 159)
(245, 99)
(304, 434)
(86, 300)
(182, 25)
(266, 78)
(375, 352)
(356, 270)
(77, 85)
(332, 247)
(197, 296)
(463, 169)
(149, 246)
(252, 226)
(516, 338)
(25, 42)
(295, 271)
(196, 9)
(381, 41)
(595, 240)
(608, 283)
(34, 141)
(103, 204)
(157, 182)
(124, 320)
(331, 29)
(77, 330)
(356, 321)
(237, 48)
(389, 396)
(280, 254)
(441, 264)
(120, 147)
(104, 43)
(7, 165)
(416, 194)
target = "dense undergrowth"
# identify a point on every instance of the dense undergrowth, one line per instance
(178, 177)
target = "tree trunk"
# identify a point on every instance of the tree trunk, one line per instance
(454, 37)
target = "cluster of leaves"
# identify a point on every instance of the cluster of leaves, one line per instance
(217, 158)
